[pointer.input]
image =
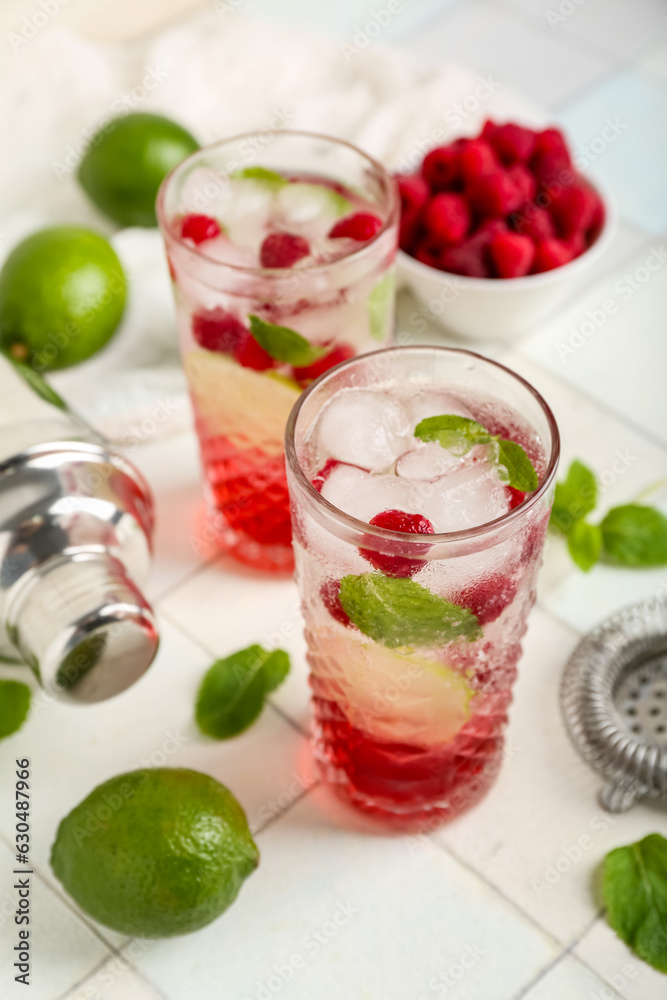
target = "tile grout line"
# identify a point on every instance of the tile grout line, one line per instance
(499, 892)
(190, 575)
(584, 46)
(79, 982)
(284, 715)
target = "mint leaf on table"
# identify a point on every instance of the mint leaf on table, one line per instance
(584, 543)
(284, 344)
(635, 894)
(576, 496)
(379, 303)
(399, 612)
(635, 535)
(460, 434)
(232, 693)
(520, 470)
(39, 385)
(263, 174)
(14, 706)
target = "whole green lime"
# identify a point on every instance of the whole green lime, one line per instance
(155, 853)
(62, 295)
(127, 161)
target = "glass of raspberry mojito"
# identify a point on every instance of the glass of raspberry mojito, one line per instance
(281, 249)
(421, 481)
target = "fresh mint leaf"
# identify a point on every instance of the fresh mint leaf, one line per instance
(460, 434)
(14, 706)
(520, 470)
(276, 669)
(232, 692)
(457, 434)
(284, 344)
(268, 177)
(380, 302)
(635, 535)
(635, 893)
(399, 612)
(584, 543)
(39, 385)
(576, 496)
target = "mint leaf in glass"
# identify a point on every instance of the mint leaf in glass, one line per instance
(379, 305)
(584, 543)
(521, 473)
(634, 535)
(634, 887)
(399, 612)
(269, 177)
(460, 434)
(284, 344)
(576, 496)
(457, 434)
(14, 706)
(232, 693)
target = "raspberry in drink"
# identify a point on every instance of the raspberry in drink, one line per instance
(282, 255)
(421, 482)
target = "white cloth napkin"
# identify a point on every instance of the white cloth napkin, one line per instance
(217, 75)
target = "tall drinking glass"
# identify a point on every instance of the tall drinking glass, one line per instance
(281, 249)
(416, 561)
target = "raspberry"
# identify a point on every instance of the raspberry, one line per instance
(494, 195)
(551, 159)
(516, 497)
(398, 520)
(427, 255)
(413, 191)
(361, 226)
(512, 143)
(442, 166)
(488, 597)
(511, 254)
(550, 254)
(199, 228)
(477, 159)
(330, 597)
(470, 257)
(250, 354)
(446, 218)
(338, 353)
(524, 181)
(218, 330)
(574, 209)
(320, 478)
(282, 250)
(533, 221)
(408, 232)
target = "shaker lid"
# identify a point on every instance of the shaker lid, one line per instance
(614, 699)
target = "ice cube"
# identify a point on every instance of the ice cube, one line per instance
(427, 462)
(362, 427)
(433, 404)
(299, 204)
(225, 251)
(468, 497)
(365, 496)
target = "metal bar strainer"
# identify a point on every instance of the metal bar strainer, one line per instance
(614, 698)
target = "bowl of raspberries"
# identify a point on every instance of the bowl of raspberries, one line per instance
(498, 229)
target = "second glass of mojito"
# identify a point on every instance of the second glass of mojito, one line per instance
(422, 481)
(281, 248)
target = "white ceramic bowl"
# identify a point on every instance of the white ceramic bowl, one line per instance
(501, 308)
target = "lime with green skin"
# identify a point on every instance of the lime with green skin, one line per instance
(155, 853)
(127, 161)
(62, 296)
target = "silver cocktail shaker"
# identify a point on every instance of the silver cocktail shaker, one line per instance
(76, 521)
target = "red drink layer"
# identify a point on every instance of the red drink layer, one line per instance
(409, 714)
